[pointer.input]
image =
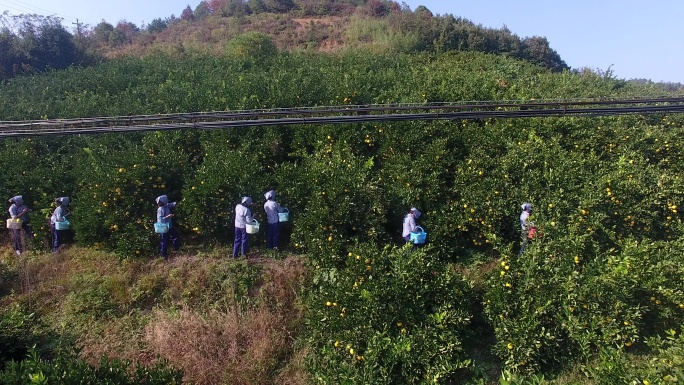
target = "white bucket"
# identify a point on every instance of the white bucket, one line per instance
(253, 228)
(14, 224)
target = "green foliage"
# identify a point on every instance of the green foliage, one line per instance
(387, 317)
(662, 366)
(377, 34)
(564, 298)
(119, 183)
(35, 44)
(94, 298)
(255, 46)
(16, 334)
(69, 369)
(157, 25)
(231, 169)
(7, 279)
(605, 277)
(344, 191)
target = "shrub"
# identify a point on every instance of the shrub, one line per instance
(254, 46)
(562, 299)
(69, 369)
(388, 316)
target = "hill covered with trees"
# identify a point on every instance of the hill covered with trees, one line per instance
(33, 44)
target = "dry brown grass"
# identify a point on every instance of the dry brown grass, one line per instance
(214, 339)
(236, 346)
(210, 35)
(218, 347)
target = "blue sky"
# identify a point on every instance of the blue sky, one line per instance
(635, 39)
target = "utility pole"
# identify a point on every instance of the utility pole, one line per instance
(78, 29)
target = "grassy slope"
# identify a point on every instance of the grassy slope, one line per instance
(215, 317)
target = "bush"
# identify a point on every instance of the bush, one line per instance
(69, 369)
(254, 46)
(387, 316)
(17, 334)
(563, 300)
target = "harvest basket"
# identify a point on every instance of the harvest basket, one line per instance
(64, 225)
(14, 224)
(161, 228)
(252, 228)
(284, 216)
(418, 238)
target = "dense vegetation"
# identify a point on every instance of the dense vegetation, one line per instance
(598, 299)
(34, 44)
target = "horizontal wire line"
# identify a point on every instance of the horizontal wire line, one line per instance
(340, 115)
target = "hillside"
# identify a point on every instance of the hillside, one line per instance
(34, 44)
(394, 30)
(597, 299)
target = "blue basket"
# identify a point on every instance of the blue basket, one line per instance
(161, 228)
(418, 238)
(64, 225)
(284, 216)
